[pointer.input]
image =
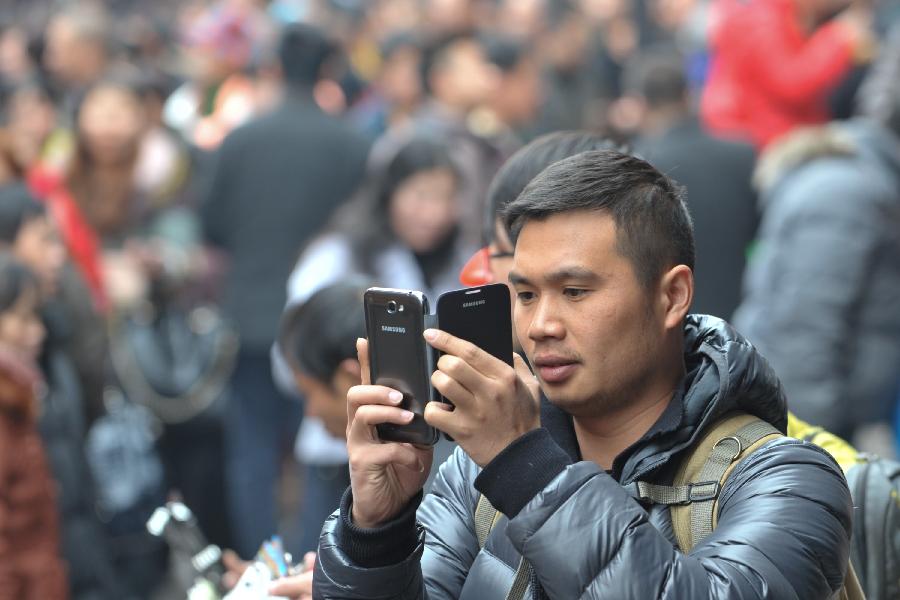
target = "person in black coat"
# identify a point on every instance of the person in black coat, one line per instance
(717, 174)
(276, 183)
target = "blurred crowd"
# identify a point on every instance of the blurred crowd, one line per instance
(177, 176)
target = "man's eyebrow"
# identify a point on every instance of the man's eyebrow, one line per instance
(564, 274)
(516, 279)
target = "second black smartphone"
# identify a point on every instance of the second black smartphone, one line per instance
(480, 315)
(400, 359)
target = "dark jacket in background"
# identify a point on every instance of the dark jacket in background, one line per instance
(85, 545)
(276, 182)
(783, 528)
(823, 288)
(722, 203)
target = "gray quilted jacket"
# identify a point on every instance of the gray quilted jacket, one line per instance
(783, 529)
(822, 287)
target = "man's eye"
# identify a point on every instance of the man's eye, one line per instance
(574, 292)
(525, 296)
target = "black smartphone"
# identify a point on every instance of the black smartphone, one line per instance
(480, 315)
(400, 359)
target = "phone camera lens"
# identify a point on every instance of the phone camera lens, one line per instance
(391, 307)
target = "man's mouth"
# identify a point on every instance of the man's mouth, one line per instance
(554, 370)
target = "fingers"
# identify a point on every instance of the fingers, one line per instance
(400, 455)
(362, 353)
(294, 586)
(362, 428)
(477, 358)
(363, 395)
(447, 383)
(441, 416)
(309, 561)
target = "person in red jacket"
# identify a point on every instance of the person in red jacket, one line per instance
(774, 63)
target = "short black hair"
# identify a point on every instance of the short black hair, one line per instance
(15, 278)
(653, 226)
(527, 162)
(316, 336)
(504, 51)
(17, 207)
(657, 76)
(303, 51)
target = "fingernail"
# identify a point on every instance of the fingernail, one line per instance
(407, 415)
(395, 397)
(430, 334)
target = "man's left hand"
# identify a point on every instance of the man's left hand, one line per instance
(494, 403)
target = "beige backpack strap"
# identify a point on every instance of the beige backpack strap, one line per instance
(693, 495)
(486, 517)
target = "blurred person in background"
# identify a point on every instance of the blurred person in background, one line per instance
(276, 183)
(219, 41)
(402, 231)
(504, 118)
(77, 49)
(30, 564)
(716, 172)
(317, 339)
(774, 63)
(822, 286)
(492, 263)
(396, 92)
(30, 234)
(37, 139)
(458, 78)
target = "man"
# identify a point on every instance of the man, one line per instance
(717, 172)
(822, 289)
(277, 181)
(602, 273)
(774, 63)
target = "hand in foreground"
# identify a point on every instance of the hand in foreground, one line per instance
(234, 566)
(494, 403)
(296, 587)
(384, 476)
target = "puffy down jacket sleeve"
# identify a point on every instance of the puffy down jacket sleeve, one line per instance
(783, 533)
(446, 547)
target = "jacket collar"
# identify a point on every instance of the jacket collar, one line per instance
(725, 374)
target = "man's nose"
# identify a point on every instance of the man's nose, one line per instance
(544, 322)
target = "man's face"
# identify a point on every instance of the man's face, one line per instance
(589, 328)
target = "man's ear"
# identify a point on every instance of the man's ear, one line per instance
(676, 292)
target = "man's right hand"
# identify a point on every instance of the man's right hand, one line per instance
(384, 476)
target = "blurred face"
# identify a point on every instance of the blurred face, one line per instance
(400, 82)
(423, 209)
(72, 59)
(582, 317)
(327, 401)
(519, 96)
(20, 327)
(111, 122)
(32, 118)
(40, 248)
(465, 79)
